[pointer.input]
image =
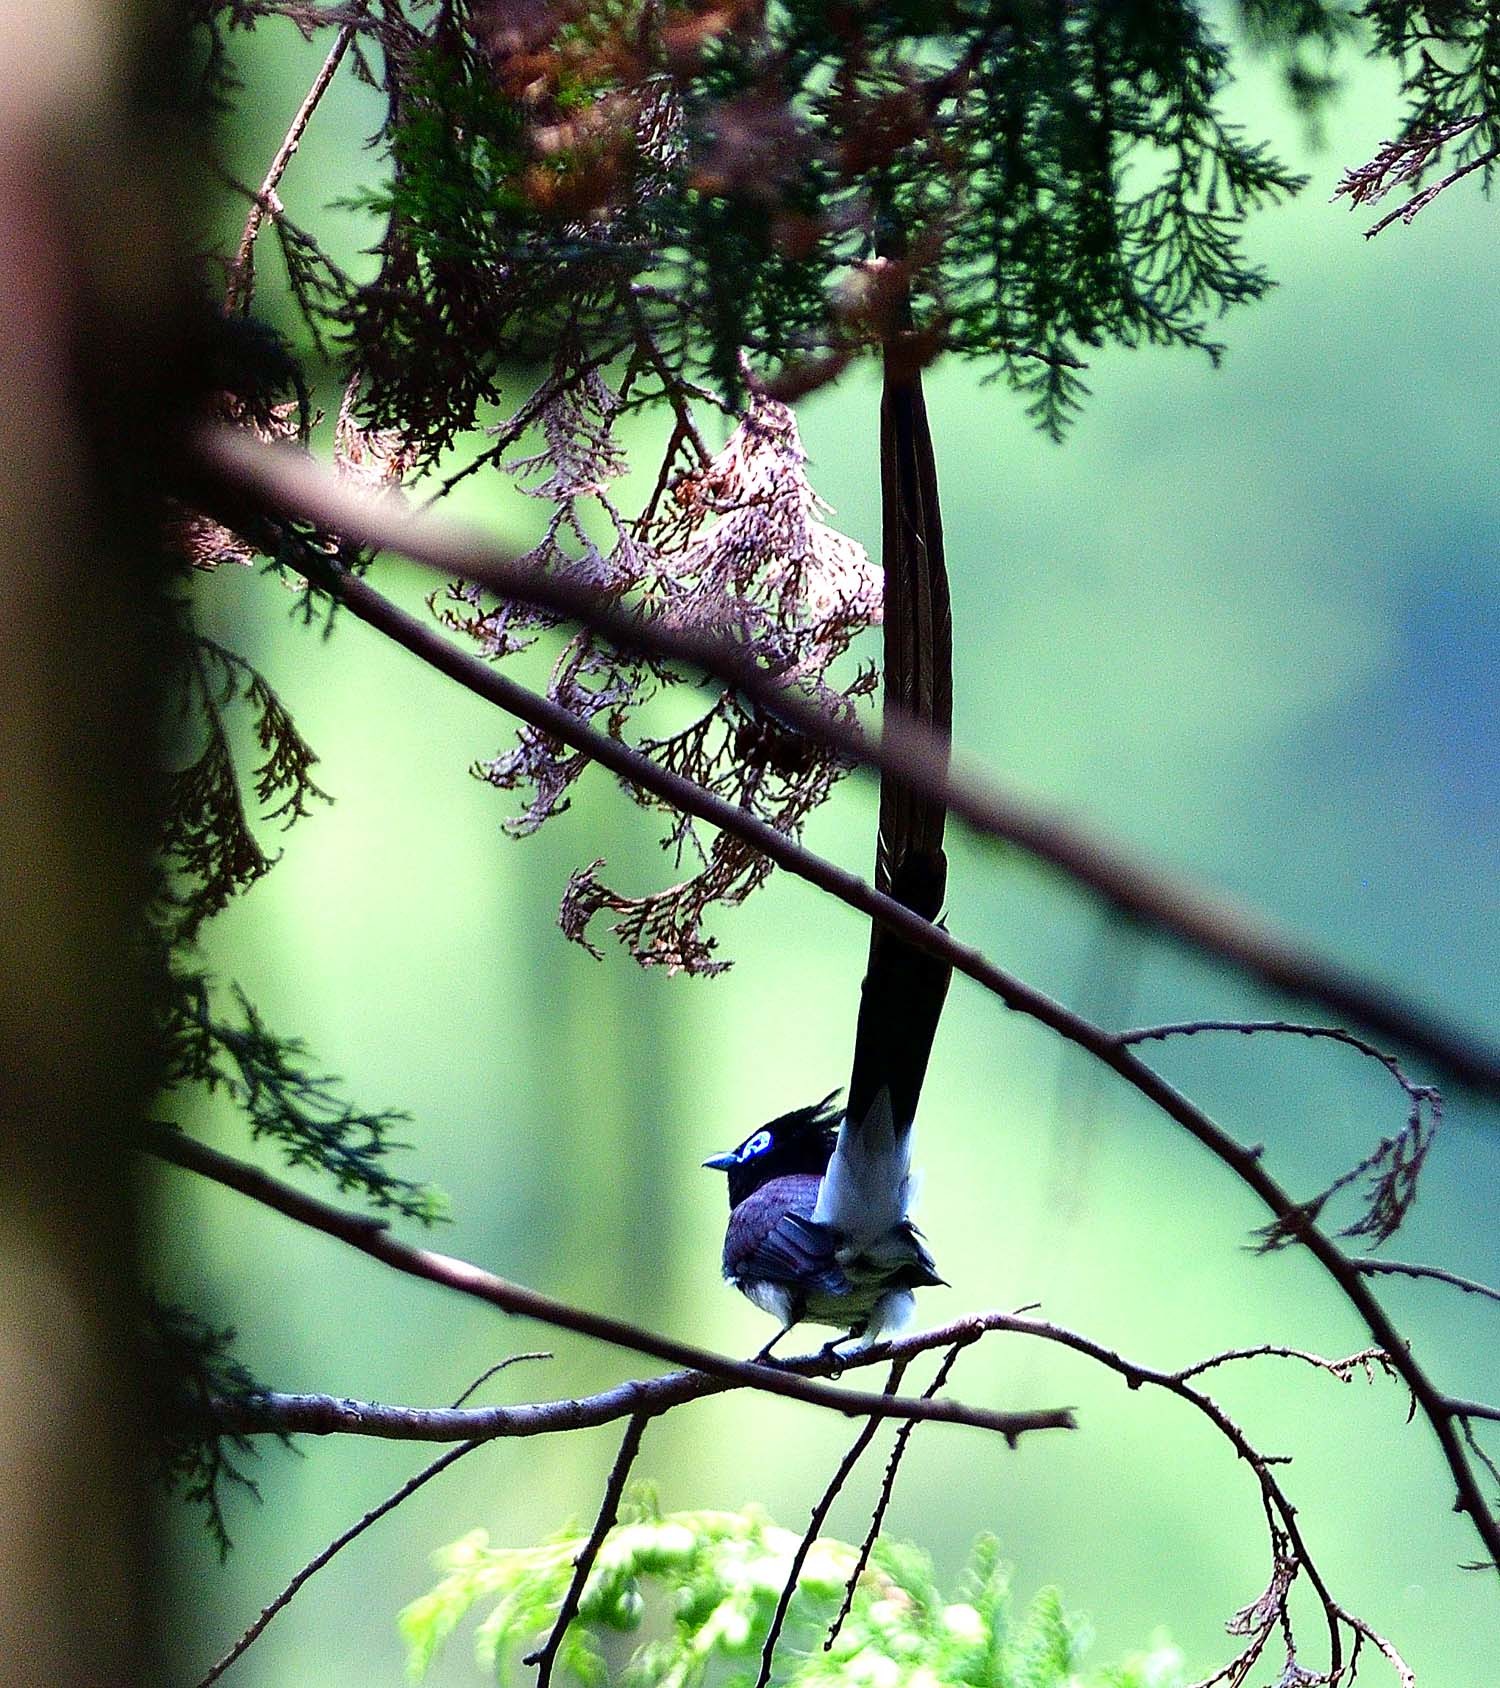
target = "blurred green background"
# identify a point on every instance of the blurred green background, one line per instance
(1244, 621)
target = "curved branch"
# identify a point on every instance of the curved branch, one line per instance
(290, 484)
(1403, 1269)
(372, 1237)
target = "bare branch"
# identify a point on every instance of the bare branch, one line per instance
(609, 1508)
(883, 1500)
(1402, 1269)
(241, 272)
(647, 1398)
(340, 1542)
(289, 484)
(1295, 1028)
(814, 1524)
(372, 1237)
(279, 1414)
(1343, 1369)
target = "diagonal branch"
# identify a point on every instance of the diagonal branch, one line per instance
(434, 1468)
(357, 1529)
(245, 481)
(609, 1509)
(815, 1523)
(237, 295)
(372, 1237)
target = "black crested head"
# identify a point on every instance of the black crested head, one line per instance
(801, 1141)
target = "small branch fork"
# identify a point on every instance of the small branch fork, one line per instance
(371, 1236)
(1394, 1164)
(266, 203)
(1401, 162)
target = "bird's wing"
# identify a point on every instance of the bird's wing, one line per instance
(796, 1252)
(903, 992)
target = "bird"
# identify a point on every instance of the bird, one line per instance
(820, 1228)
(820, 1199)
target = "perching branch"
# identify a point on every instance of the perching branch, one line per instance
(372, 1237)
(247, 480)
(644, 1399)
(273, 1413)
(648, 1398)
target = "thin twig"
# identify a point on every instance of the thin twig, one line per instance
(1421, 200)
(1343, 1369)
(883, 1500)
(372, 1237)
(1294, 1028)
(609, 1509)
(265, 201)
(814, 1524)
(498, 1367)
(1478, 1452)
(340, 1542)
(316, 1564)
(1402, 1269)
(290, 484)
(670, 385)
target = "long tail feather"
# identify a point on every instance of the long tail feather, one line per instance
(904, 990)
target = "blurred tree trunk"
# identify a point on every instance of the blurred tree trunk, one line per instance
(88, 354)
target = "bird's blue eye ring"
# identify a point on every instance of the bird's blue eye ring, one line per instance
(757, 1145)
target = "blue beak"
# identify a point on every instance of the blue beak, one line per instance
(722, 1163)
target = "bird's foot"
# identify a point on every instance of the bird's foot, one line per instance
(764, 1357)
